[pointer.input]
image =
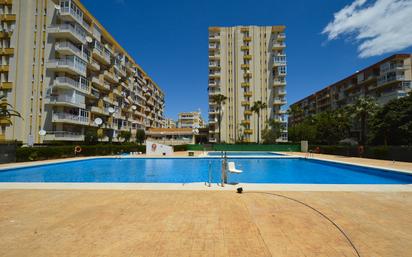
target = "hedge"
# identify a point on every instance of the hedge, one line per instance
(396, 153)
(240, 147)
(53, 152)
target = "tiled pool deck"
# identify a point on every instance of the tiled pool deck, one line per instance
(207, 223)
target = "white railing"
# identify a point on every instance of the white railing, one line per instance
(68, 116)
(74, 63)
(76, 30)
(81, 83)
(66, 99)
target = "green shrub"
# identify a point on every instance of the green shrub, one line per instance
(53, 152)
(180, 148)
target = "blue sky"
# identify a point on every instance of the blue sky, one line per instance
(169, 39)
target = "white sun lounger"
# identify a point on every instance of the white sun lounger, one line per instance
(232, 168)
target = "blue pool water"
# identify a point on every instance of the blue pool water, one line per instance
(188, 170)
(233, 153)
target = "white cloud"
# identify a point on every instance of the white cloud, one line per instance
(378, 26)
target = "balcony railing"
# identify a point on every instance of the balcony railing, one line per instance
(81, 84)
(78, 32)
(66, 99)
(63, 116)
(63, 135)
(76, 64)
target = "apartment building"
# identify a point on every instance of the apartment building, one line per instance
(170, 123)
(246, 64)
(190, 120)
(62, 70)
(386, 80)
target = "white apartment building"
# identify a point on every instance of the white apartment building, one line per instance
(190, 120)
(62, 70)
(246, 64)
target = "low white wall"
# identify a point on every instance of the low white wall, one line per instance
(154, 148)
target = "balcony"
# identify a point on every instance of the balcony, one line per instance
(4, 68)
(66, 100)
(110, 76)
(247, 93)
(99, 83)
(7, 17)
(245, 103)
(279, 101)
(247, 75)
(248, 131)
(6, 2)
(247, 57)
(63, 136)
(248, 112)
(282, 92)
(101, 55)
(93, 65)
(69, 14)
(100, 110)
(247, 39)
(81, 84)
(245, 66)
(279, 82)
(63, 117)
(214, 75)
(7, 51)
(245, 84)
(67, 48)
(278, 46)
(73, 65)
(6, 85)
(245, 122)
(68, 31)
(245, 48)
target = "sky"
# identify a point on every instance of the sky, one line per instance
(327, 40)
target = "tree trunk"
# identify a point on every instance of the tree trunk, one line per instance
(219, 121)
(258, 124)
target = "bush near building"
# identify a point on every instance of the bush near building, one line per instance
(66, 151)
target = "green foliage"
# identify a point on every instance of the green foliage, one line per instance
(180, 148)
(140, 136)
(272, 132)
(54, 152)
(125, 135)
(219, 100)
(6, 110)
(361, 112)
(323, 128)
(91, 137)
(392, 124)
(256, 108)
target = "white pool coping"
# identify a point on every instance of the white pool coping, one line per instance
(203, 185)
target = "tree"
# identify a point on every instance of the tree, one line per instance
(126, 135)
(140, 136)
(6, 110)
(361, 111)
(256, 108)
(272, 132)
(219, 100)
(331, 127)
(294, 111)
(91, 137)
(392, 124)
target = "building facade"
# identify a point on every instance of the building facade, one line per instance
(170, 123)
(246, 64)
(190, 120)
(386, 80)
(61, 70)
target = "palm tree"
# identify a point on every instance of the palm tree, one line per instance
(294, 111)
(219, 100)
(6, 110)
(361, 110)
(257, 106)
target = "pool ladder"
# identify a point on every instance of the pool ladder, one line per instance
(224, 168)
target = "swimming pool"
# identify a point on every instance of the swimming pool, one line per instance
(241, 153)
(187, 170)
